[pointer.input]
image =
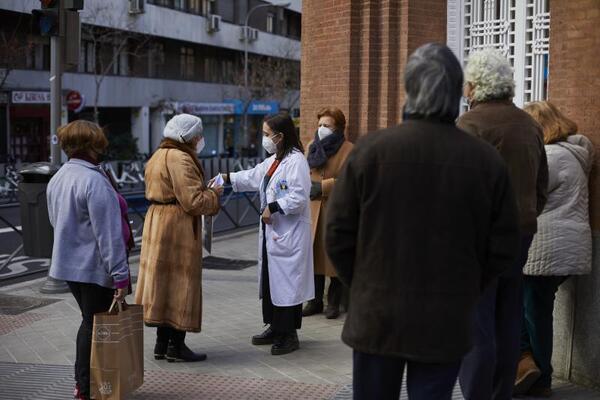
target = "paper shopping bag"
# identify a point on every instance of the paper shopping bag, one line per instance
(117, 358)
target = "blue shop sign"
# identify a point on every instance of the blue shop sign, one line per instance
(256, 107)
(263, 107)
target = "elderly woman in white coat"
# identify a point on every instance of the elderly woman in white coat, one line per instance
(561, 248)
(285, 247)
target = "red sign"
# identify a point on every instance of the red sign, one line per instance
(75, 101)
(48, 3)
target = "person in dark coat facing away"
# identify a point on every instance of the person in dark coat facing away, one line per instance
(421, 220)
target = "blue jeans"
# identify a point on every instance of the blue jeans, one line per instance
(537, 332)
(380, 377)
(489, 370)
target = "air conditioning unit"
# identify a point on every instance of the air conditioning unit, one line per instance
(248, 33)
(213, 23)
(252, 34)
(136, 6)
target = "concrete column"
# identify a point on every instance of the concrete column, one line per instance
(369, 42)
(140, 127)
(575, 88)
(158, 126)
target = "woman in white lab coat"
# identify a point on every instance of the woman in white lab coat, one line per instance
(285, 246)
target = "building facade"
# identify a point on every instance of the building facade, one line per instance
(553, 46)
(143, 61)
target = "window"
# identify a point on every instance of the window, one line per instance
(187, 63)
(195, 6)
(270, 22)
(156, 60)
(179, 5)
(208, 7)
(518, 28)
(90, 57)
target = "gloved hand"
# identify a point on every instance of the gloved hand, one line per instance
(316, 190)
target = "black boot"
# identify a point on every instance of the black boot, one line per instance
(312, 307)
(180, 352)
(316, 306)
(267, 337)
(163, 335)
(334, 297)
(160, 350)
(285, 344)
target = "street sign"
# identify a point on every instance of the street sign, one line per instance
(75, 101)
(22, 97)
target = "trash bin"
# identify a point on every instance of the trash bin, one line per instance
(38, 235)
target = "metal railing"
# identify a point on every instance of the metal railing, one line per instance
(238, 210)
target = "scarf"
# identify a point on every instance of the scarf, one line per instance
(321, 150)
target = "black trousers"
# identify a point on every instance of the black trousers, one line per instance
(92, 299)
(283, 320)
(489, 370)
(334, 293)
(167, 334)
(380, 377)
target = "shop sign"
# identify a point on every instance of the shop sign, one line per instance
(30, 97)
(263, 107)
(206, 108)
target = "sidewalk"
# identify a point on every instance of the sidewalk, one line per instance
(42, 342)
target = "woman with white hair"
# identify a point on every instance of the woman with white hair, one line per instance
(489, 370)
(170, 277)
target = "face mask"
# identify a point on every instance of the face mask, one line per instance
(324, 132)
(269, 145)
(200, 146)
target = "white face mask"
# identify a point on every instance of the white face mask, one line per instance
(269, 145)
(324, 132)
(200, 146)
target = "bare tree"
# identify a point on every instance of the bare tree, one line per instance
(275, 78)
(110, 46)
(13, 50)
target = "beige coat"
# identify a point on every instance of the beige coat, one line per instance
(318, 208)
(170, 278)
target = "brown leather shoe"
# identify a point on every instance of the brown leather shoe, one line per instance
(527, 374)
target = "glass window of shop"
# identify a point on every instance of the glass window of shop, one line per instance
(212, 125)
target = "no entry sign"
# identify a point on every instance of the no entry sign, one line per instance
(75, 101)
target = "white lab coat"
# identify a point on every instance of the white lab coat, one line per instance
(289, 244)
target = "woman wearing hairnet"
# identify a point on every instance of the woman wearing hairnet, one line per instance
(170, 278)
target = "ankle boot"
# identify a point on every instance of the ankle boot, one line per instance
(160, 350)
(527, 374)
(332, 311)
(334, 297)
(285, 344)
(180, 352)
(267, 337)
(312, 307)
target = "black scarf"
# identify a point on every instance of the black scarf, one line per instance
(321, 150)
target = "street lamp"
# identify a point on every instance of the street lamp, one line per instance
(248, 15)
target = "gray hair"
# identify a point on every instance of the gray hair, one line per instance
(491, 75)
(433, 81)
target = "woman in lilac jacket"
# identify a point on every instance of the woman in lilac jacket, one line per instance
(90, 235)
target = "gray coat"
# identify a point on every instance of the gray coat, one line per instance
(563, 243)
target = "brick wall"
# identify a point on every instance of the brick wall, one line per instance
(353, 57)
(574, 81)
